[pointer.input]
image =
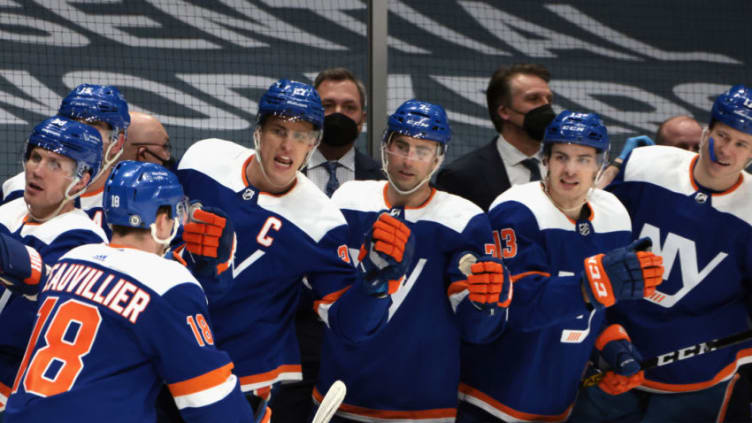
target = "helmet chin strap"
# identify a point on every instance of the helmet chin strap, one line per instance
(66, 198)
(166, 241)
(385, 166)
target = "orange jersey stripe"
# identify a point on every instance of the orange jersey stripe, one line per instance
(727, 398)
(435, 413)
(329, 298)
(721, 375)
(203, 382)
(270, 375)
(472, 392)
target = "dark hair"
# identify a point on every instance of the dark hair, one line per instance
(498, 91)
(342, 74)
(120, 230)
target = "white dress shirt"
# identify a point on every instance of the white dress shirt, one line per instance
(320, 176)
(512, 158)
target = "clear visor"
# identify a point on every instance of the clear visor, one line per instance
(400, 148)
(277, 128)
(182, 209)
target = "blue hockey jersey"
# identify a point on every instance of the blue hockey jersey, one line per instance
(13, 188)
(410, 370)
(51, 239)
(532, 372)
(90, 202)
(282, 239)
(114, 325)
(704, 238)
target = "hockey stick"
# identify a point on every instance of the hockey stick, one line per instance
(329, 405)
(682, 354)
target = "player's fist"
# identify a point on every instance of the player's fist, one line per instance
(626, 273)
(21, 267)
(209, 239)
(386, 255)
(487, 280)
(623, 358)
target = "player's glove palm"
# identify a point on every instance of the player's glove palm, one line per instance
(210, 241)
(386, 255)
(627, 273)
(21, 267)
(623, 358)
(487, 280)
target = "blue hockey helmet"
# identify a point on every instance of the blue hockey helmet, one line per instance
(135, 191)
(420, 119)
(75, 140)
(734, 108)
(102, 103)
(577, 128)
(292, 99)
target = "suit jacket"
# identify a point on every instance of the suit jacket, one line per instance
(367, 168)
(479, 176)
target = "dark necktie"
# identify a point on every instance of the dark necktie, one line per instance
(333, 182)
(531, 164)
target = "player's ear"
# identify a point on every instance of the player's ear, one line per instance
(81, 184)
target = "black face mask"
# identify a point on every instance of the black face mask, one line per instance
(536, 121)
(339, 130)
(170, 164)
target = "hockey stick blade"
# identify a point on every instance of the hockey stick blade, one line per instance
(331, 402)
(682, 354)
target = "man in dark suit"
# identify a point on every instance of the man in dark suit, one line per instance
(334, 162)
(519, 104)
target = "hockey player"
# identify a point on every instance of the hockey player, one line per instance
(552, 236)
(117, 321)
(410, 370)
(287, 229)
(104, 108)
(702, 227)
(60, 160)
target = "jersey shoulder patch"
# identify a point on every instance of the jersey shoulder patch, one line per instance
(157, 273)
(218, 159)
(306, 206)
(15, 183)
(449, 210)
(667, 167)
(365, 196)
(609, 214)
(12, 214)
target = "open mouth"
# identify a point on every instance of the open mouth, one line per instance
(568, 184)
(31, 186)
(283, 161)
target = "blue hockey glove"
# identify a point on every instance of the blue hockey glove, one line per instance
(627, 273)
(210, 241)
(486, 278)
(21, 267)
(623, 358)
(386, 255)
(633, 143)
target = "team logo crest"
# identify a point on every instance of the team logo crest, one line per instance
(701, 198)
(583, 228)
(248, 194)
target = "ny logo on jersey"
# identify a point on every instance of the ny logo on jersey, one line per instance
(687, 251)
